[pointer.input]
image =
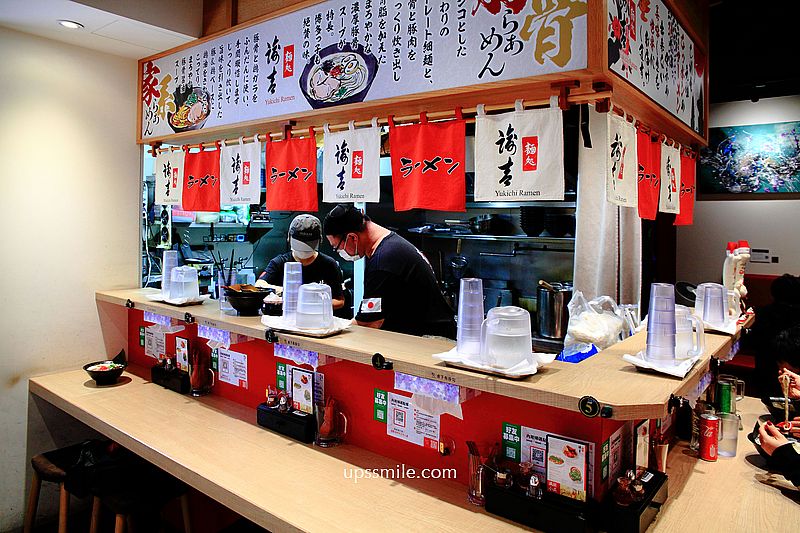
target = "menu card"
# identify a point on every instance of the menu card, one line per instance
(566, 467)
(303, 390)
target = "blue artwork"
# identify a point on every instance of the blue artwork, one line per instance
(763, 158)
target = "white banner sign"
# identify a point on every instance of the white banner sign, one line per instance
(348, 51)
(669, 197)
(621, 180)
(521, 155)
(240, 173)
(351, 165)
(648, 47)
(168, 169)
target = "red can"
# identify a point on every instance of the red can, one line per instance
(709, 436)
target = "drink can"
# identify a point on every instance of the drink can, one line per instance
(699, 409)
(726, 396)
(709, 437)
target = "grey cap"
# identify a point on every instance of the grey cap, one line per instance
(305, 230)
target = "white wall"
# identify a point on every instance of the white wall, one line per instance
(768, 224)
(69, 214)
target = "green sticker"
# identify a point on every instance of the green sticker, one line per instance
(512, 441)
(215, 360)
(280, 380)
(141, 335)
(380, 405)
(604, 462)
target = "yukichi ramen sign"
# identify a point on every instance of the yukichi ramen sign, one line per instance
(346, 51)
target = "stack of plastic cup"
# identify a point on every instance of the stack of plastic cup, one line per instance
(168, 262)
(470, 317)
(661, 339)
(292, 279)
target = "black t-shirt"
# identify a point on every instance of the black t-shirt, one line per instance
(401, 289)
(323, 269)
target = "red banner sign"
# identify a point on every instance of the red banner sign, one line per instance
(428, 166)
(288, 61)
(201, 181)
(688, 189)
(649, 168)
(292, 175)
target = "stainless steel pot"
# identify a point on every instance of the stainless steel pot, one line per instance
(552, 315)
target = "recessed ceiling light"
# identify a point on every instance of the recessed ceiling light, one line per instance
(71, 24)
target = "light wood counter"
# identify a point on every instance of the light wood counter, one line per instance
(731, 494)
(605, 376)
(215, 446)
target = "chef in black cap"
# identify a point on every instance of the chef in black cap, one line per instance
(305, 234)
(400, 289)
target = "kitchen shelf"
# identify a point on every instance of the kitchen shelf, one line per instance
(503, 238)
(606, 377)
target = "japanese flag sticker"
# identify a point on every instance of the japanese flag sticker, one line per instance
(371, 305)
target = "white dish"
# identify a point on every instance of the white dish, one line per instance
(178, 301)
(278, 323)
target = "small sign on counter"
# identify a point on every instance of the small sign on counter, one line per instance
(232, 367)
(566, 467)
(381, 402)
(411, 424)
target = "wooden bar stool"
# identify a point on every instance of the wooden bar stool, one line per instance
(51, 466)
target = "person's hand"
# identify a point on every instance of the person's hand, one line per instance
(795, 429)
(771, 438)
(794, 383)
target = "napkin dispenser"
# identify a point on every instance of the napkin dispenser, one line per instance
(550, 513)
(171, 378)
(638, 516)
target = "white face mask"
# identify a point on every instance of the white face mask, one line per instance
(347, 257)
(302, 255)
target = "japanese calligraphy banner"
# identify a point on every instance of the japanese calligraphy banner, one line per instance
(519, 155)
(621, 184)
(240, 173)
(348, 51)
(168, 169)
(669, 199)
(292, 175)
(428, 166)
(648, 47)
(351, 165)
(648, 156)
(688, 171)
(201, 181)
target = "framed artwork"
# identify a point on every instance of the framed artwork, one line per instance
(756, 162)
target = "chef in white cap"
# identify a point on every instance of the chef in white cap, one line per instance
(305, 234)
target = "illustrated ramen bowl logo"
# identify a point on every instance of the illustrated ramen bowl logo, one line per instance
(342, 76)
(194, 107)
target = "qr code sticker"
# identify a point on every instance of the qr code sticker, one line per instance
(537, 455)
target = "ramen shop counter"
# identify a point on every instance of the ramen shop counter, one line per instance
(615, 384)
(214, 445)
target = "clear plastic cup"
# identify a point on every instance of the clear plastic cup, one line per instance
(314, 306)
(292, 280)
(506, 337)
(168, 262)
(470, 317)
(728, 434)
(715, 304)
(660, 348)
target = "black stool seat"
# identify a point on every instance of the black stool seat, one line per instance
(52, 466)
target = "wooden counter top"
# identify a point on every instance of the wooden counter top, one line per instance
(215, 446)
(731, 494)
(605, 376)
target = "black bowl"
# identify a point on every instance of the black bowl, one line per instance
(247, 303)
(104, 377)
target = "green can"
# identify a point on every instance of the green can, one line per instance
(726, 397)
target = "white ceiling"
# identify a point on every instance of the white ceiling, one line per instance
(102, 30)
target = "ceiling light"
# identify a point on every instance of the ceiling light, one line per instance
(71, 24)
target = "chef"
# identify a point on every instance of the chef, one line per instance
(305, 234)
(400, 289)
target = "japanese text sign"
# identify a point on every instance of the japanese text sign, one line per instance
(240, 170)
(428, 165)
(621, 184)
(648, 174)
(201, 181)
(291, 167)
(169, 177)
(351, 165)
(687, 192)
(669, 198)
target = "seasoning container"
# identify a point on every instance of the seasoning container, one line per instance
(502, 478)
(535, 487)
